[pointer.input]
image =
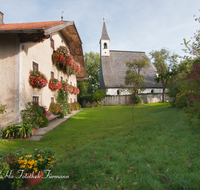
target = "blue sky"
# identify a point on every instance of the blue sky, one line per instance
(132, 25)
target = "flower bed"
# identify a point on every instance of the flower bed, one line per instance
(54, 84)
(37, 79)
(63, 58)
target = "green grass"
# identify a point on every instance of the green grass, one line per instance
(103, 147)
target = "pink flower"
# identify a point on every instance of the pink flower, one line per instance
(42, 121)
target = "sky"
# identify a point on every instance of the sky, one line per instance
(132, 25)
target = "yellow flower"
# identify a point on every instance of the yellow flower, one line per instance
(35, 170)
(38, 155)
(48, 158)
(25, 162)
(20, 157)
(28, 156)
(29, 167)
(52, 156)
(22, 166)
(40, 159)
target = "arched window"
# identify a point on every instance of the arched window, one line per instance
(152, 91)
(117, 92)
(105, 46)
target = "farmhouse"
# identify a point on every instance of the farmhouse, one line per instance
(29, 46)
(113, 71)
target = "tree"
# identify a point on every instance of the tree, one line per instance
(175, 83)
(164, 62)
(133, 73)
(92, 64)
(191, 89)
(193, 45)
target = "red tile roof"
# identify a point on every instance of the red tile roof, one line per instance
(29, 25)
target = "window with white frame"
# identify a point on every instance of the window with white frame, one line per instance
(52, 74)
(35, 99)
(35, 66)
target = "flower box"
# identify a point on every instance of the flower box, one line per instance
(54, 84)
(37, 79)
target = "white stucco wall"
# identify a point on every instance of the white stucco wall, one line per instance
(15, 63)
(41, 53)
(113, 91)
(9, 78)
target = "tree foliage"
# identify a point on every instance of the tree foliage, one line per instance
(190, 89)
(175, 82)
(133, 73)
(87, 88)
(92, 64)
(193, 46)
(164, 63)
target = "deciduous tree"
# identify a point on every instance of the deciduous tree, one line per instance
(133, 74)
(92, 64)
(164, 62)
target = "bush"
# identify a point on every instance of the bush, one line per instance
(54, 108)
(99, 95)
(61, 114)
(33, 114)
(62, 98)
(45, 122)
(138, 100)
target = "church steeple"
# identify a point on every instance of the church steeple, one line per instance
(104, 35)
(104, 41)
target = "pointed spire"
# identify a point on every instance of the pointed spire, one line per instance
(104, 35)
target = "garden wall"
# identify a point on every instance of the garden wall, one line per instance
(127, 100)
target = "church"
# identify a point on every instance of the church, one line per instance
(113, 69)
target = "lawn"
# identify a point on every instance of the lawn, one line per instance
(106, 148)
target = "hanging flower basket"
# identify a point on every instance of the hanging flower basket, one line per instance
(71, 89)
(59, 56)
(37, 79)
(63, 58)
(54, 84)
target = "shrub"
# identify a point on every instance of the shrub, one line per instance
(54, 108)
(45, 121)
(138, 100)
(62, 98)
(99, 95)
(61, 114)
(33, 114)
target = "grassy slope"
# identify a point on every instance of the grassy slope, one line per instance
(102, 147)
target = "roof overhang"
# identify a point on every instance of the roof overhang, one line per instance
(69, 33)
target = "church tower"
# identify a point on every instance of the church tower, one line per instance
(104, 41)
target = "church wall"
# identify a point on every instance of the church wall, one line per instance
(120, 91)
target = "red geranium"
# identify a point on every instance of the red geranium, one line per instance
(37, 79)
(54, 84)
